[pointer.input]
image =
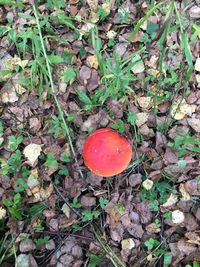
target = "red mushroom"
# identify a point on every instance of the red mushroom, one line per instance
(106, 153)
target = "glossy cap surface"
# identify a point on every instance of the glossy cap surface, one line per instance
(106, 153)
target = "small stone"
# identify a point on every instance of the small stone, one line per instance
(177, 217)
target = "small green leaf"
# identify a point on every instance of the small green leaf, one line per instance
(65, 158)
(75, 203)
(94, 261)
(103, 202)
(69, 75)
(132, 117)
(182, 163)
(53, 59)
(151, 243)
(167, 259)
(83, 97)
(51, 161)
(152, 27)
(63, 171)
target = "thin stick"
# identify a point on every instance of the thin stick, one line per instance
(68, 234)
(67, 202)
(53, 88)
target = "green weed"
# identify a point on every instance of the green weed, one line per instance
(14, 207)
(184, 144)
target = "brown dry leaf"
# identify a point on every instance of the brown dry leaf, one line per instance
(193, 237)
(18, 62)
(142, 118)
(116, 213)
(180, 108)
(34, 124)
(185, 247)
(32, 152)
(135, 179)
(135, 230)
(145, 102)
(185, 195)
(173, 199)
(46, 192)
(190, 222)
(9, 96)
(153, 228)
(84, 73)
(19, 89)
(92, 61)
(93, 4)
(195, 124)
(88, 201)
(144, 211)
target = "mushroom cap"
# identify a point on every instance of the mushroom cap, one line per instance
(106, 153)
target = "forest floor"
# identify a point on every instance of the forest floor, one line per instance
(68, 68)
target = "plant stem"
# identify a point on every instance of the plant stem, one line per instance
(53, 88)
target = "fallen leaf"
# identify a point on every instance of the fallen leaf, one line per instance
(2, 213)
(111, 34)
(153, 228)
(93, 4)
(32, 152)
(185, 195)
(9, 96)
(186, 248)
(33, 180)
(147, 184)
(106, 7)
(197, 64)
(128, 243)
(92, 62)
(145, 102)
(139, 65)
(19, 89)
(180, 108)
(173, 199)
(141, 119)
(194, 12)
(195, 124)
(66, 210)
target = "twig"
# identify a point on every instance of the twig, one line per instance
(67, 202)
(68, 234)
(52, 86)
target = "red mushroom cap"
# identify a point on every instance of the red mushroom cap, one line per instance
(106, 153)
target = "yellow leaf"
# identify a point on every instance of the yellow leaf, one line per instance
(92, 62)
(32, 152)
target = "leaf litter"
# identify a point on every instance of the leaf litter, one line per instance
(155, 201)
